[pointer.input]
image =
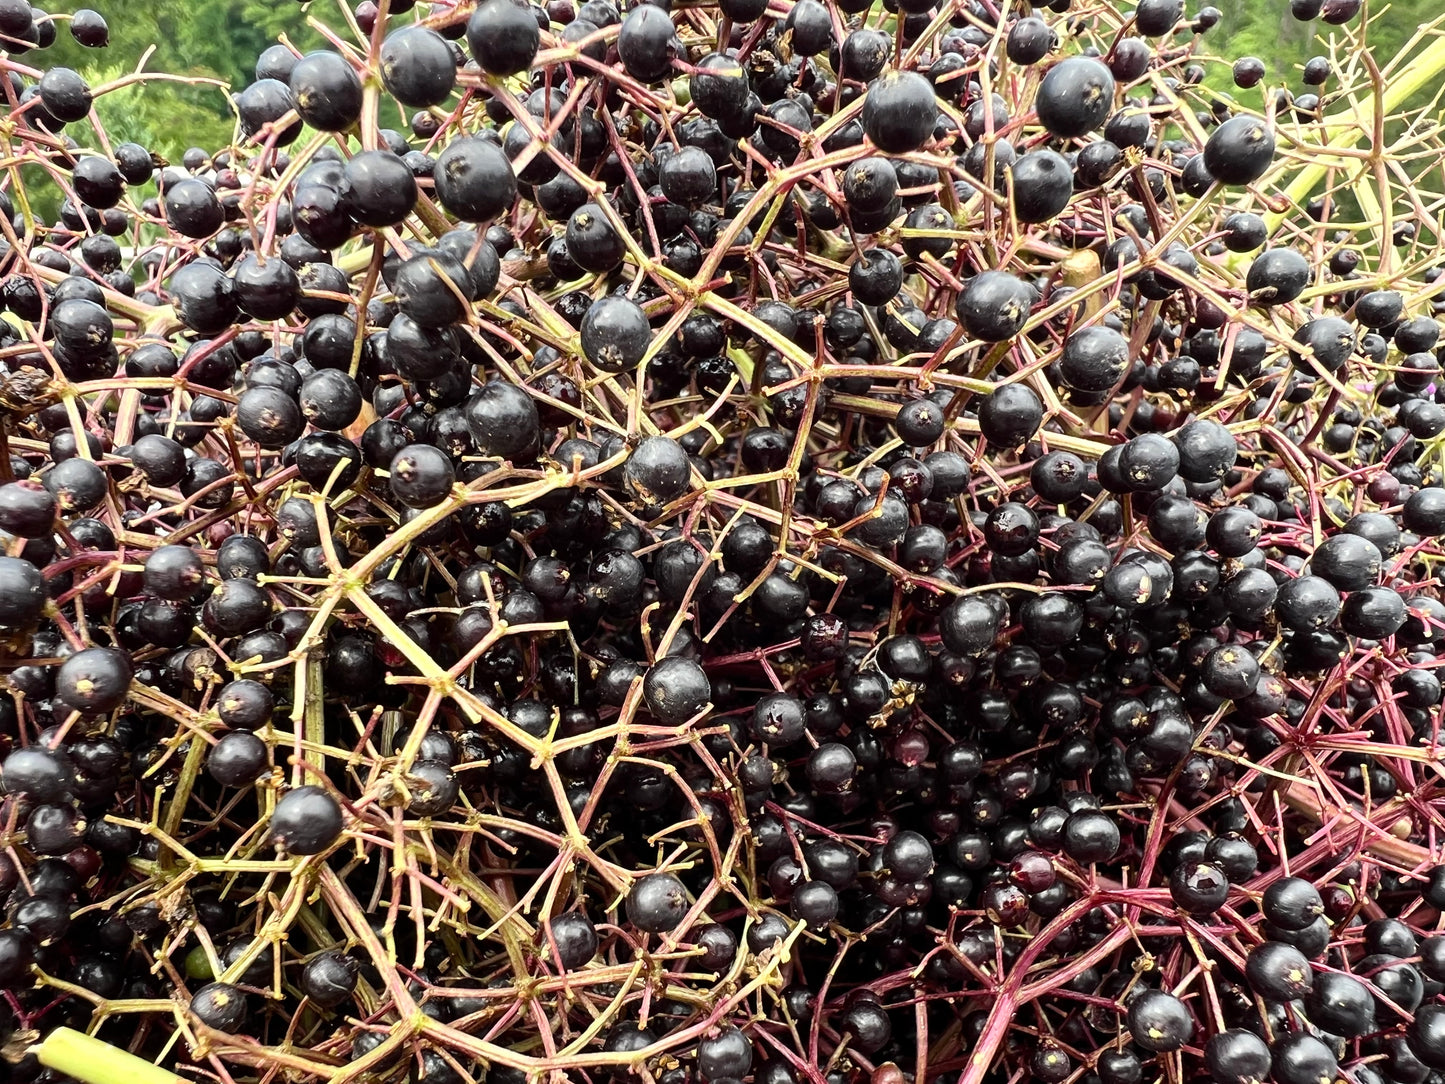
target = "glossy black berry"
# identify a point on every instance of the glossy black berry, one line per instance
(1277, 276)
(1237, 1056)
(676, 689)
(473, 178)
(1278, 971)
(1094, 359)
(1292, 903)
(42, 774)
(1300, 1058)
(646, 43)
(1200, 888)
(615, 334)
(17, 953)
(502, 420)
(269, 416)
(1010, 415)
(417, 66)
(1074, 97)
(575, 939)
(1373, 613)
(1043, 184)
(727, 1055)
(94, 680)
(1029, 40)
(306, 820)
(1239, 151)
(266, 290)
(421, 476)
(244, 704)
(377, 188)
(1347, 561)
(329, 979)
(327, 90)
(1207, 451)
(994, 306)
(719, 86)
(191, 208)
(65, 94)
(173, 572)
(1390, 937)
(1157, 17)
(1159, 1021)
(89, 28)
(221, 1006)
(1091, 836)
(237, 759)
(899, 111)
(658, 470)
(876, 277)
(656, 903)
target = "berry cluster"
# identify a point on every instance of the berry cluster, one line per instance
(803, 542)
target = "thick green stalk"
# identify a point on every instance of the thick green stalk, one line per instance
(1424, 70)
(94, 1062)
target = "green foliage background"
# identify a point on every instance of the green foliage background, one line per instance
(221, 39)
(212, 39)
(1265, 28)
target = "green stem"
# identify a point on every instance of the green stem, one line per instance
(94, 1062)
(314, 716)
(1424, 70)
